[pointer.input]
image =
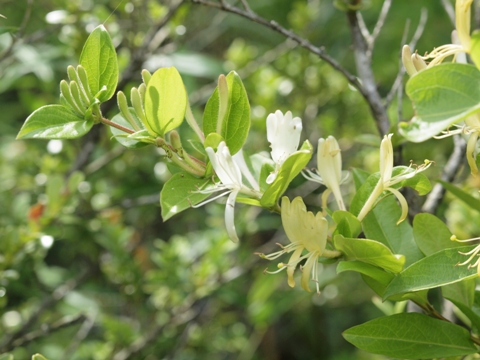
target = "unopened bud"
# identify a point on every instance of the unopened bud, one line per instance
(67, 95)
(123, 106)
(418, 62)
(82, 75)
(137, 104)
(76, 93)
(175, 140)
(407, 60)
(146, 76)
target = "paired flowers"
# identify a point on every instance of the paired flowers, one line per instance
(388, 180)
(306, 232)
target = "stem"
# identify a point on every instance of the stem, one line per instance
(377, 191)
(117, 126)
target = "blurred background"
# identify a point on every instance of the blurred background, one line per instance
(88, 269)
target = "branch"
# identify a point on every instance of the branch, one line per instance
(449, 172)
(21, 30)
(273, 25)
(47, 329)
(58, 294)
(364, 69)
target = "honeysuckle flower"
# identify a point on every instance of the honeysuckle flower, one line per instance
(307, 233)
(283, 134)
(230, 180)
(471, 254)
(387, 180)
(461, 41)
(472, 129)
(329, 170)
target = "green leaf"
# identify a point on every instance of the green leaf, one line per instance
(431, 234)
(411, 336)
(420, 183)
(6, 357)
(124, 138)
(347, 224)
(433, 271)
(442, 95)
(287, 172)
(369, 270)
(39, 357)
(99, 59)
(380, 224)
(54, 122)
(370, 252)
(236, 122)
(462, 294)
(468, 199)
(180, 193)
(475, 48)
(165, 101)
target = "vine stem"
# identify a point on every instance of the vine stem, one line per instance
(117, 126)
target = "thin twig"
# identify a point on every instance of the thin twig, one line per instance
(47, 329)
(81, 334)
(246, 6)
(449, 172)
(380, 22)
(365, 72)
(20, 32)
(319, 51)
(58, 294)
(447, 5)
(413, 43)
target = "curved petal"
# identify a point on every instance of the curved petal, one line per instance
(283, 134)
(292, 264)
(307, 271)
(229, 216)
(403, 203)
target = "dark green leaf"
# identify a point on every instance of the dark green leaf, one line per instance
(433, 271)
(431, 234)
(411, 336)
(442, 95)
(180, 192)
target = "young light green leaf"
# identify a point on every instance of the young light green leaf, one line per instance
(475, 48)
(236, 122)
(99, 59)
(433, 271)
(180, 193)
(431, 234)
(370, 252)
(54, 122)
(39, 357)
(124, 138)
(165, 101)
(442, 95)
(288, 171)
(411, 336)
(347, 224)
(468, 199)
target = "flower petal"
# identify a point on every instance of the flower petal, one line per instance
(283, 134)
(307, 271)
(229, 216)
(403, 203)
(292, 264)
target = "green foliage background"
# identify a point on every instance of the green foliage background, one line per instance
(131, 286)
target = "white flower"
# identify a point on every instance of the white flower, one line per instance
(472, 129)
(329, 170)
(305, 232)
(230, 180)
(461, 41)
(283, 134)
(386, 180)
